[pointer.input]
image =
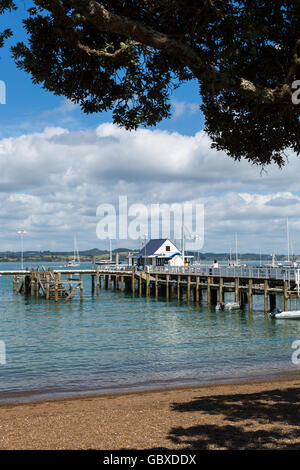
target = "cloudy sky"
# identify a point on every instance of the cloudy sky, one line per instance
(58, 165)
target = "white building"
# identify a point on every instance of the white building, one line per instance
(159, 252)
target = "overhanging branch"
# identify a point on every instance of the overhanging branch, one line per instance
(104, 20)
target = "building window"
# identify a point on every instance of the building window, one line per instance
(168, 248)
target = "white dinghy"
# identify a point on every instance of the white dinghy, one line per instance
(228, 306)
(293, 314)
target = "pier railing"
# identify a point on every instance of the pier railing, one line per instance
(284, 274)
(228, 271)
(115, 268)
(249, 272)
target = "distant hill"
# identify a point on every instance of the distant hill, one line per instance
(89, 255)
(62, 256)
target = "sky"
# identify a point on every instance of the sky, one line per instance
(57, 166)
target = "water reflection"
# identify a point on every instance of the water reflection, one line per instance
(118, 340)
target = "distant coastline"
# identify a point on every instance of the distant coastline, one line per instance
(96, 254)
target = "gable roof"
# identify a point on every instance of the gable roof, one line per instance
(151, 247)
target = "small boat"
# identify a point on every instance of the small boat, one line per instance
(76, 260)
(293, 314)
(228, 306)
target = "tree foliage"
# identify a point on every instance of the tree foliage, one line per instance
(128, 55)
(5, 6)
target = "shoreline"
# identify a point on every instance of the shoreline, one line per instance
(257, 414)
(54, 396)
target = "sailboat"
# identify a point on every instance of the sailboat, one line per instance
(274, 263)
(237, 262)
(107, 262)
(76, 259)
(288, 263)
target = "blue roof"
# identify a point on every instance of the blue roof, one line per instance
(151, 247)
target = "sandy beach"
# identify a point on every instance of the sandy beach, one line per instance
(261, 415)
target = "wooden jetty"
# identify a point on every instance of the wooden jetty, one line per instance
(191, 283)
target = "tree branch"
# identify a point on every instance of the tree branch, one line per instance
(104, 20)
(65, 26)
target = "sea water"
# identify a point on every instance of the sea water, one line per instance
(119, 342)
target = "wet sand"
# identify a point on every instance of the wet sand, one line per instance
(261, 415)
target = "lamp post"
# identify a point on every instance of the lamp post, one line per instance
(22, 233)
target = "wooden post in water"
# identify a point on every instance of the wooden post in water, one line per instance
(122, 283)
(37, 283)
(14, 284)
(236, 290)
(178, 287)
(156, 285)
(197, 289)
(200, 291)
(189, 288)
(266, 296)
(81, 287)
(32, 283)
(56, 289)
(140, 285)
(250, 295)
(98, 280)
(147, 285)
(221, 296)
(48, 286)
(208, 290)
(93, 283)
(285, 295)
(133, 280)
(167, 286)
(18, 285)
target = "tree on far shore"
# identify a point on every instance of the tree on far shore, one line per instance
(129, 55)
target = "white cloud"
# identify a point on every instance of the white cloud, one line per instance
(66, 107)
(52, 182)
(181, 108)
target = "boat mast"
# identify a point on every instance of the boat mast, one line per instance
(292, 247)
(288, 238)
(236, 247)
(76, 252)
(182, 243)
(273, 260)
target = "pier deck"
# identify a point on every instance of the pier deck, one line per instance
(183, 283)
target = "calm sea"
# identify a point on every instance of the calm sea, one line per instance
(120, 343)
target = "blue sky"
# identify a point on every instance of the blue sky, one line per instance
(26, 101)
(58, 165)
